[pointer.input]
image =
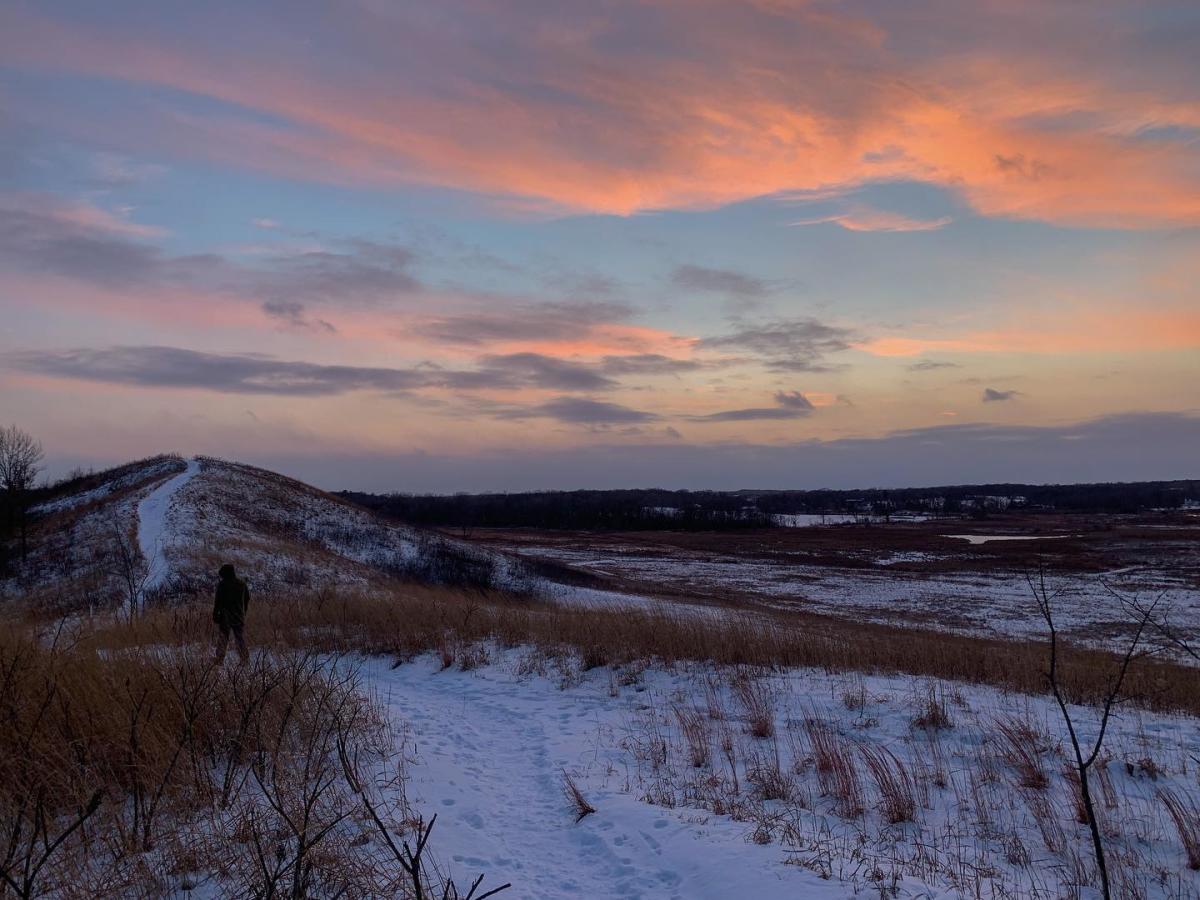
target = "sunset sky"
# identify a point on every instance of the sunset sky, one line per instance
(485, 245)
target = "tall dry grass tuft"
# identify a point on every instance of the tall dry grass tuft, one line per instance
(837, 772)
(932, 712)
(758, 705)
(1020, 745)
(896, 791)
(1185, 813)
(696, 734)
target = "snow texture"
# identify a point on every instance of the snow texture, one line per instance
(488, 749)
(154, 531)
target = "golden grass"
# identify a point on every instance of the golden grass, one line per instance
(410, 620)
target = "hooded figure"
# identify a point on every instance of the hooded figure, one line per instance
(229, 611)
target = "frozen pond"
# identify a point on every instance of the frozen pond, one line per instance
(977, 539)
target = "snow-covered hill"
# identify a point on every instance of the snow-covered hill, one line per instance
(164, 525)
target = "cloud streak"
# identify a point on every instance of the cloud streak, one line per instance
(248, 373)
(582, 411)
(788, 405)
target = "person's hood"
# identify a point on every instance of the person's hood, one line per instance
(226, 572)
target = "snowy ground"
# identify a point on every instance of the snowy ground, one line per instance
(488, 749)
(154, 535)
(993, 603)
(489, 757)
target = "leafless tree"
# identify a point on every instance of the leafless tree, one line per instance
(1159, 610)
(20, 463)
(1085, 757)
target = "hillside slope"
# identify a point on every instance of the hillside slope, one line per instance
(162, 527)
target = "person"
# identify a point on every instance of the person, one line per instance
(229, 612)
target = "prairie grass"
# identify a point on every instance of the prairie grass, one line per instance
(1021, 747)
(410, 620)
(1185, 813)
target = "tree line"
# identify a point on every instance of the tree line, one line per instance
(659, 509)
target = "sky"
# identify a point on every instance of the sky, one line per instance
(481, 245)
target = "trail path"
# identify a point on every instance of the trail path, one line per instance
(153, 535)
(490, 751)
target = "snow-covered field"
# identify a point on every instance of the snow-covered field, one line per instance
(487, 750)
(994, 603)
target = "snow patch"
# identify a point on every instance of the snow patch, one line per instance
(154, 531)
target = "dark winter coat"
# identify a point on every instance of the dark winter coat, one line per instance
(233, 599)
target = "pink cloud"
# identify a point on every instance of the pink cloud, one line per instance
(79, 215)
(711, 103)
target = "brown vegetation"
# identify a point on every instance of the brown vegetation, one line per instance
(413, 619)
(138, 769)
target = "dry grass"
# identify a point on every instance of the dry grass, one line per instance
(575, 798)
(696, 734)
(1021, 747)
(411, 620)
(897, 802)
(754, 696)
(1185, 813)
(932, 713)
(133, 771)
(837, 771)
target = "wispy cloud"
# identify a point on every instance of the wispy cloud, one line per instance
(931, 365)
(719, 281)
(582, 411)
(788, 405)
(520, 322)
(991, 395)
(292, 313)
(792, 345)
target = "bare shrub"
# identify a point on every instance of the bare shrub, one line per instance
(758, 704)
(1185, 813)
(837, 772)
(418, 878)
(1021, 746)
(575, 797)
(473, 657)
(895, 784)
(105, 756)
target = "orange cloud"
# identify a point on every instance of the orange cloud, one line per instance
(765, 97)
(1088, 331)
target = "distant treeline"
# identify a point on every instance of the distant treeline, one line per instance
(620, 510)
(647, 509)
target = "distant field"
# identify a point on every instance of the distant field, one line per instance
(968, 577)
